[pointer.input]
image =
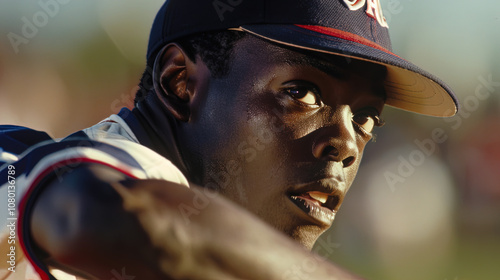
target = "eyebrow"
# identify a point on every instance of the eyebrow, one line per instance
(329, 68)
(334, 66)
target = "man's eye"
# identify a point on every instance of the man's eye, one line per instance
(367, 120)
(305, 94)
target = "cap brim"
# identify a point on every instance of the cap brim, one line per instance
(407, 86)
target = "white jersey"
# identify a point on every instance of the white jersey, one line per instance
(113, 142)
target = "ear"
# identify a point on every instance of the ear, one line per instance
(176, 81)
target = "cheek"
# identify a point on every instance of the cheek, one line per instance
(238, 145)
(264, 147)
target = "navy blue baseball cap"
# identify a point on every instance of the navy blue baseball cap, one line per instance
(351, 28)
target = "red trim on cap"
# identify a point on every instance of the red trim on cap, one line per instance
(346, 36)
(22, 206)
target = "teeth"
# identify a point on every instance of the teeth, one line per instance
(321, 197)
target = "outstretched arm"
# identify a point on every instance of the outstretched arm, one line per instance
(97, 220)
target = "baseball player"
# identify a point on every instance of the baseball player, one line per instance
(246, 134)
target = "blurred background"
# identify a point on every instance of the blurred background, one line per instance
(426, 204)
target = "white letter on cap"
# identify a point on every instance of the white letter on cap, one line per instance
(354, 5)
(374, 9)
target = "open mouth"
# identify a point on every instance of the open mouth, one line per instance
(317, 205)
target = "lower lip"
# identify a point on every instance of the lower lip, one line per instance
(313, 210)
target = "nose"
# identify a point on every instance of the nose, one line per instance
(336, 140)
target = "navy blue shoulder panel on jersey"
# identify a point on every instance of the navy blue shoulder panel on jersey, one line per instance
(31, 146)
(28, 162)
(17, 139)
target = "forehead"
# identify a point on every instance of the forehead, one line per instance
(337, 66)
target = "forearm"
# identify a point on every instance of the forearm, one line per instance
(220, 240)
(138, 226)
(271, 255)
(254, 250)
(274, 256)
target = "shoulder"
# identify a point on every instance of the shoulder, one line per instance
(14, 140)
(113, 142)
(81, 163)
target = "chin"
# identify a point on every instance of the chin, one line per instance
(303, 232)
(306, 235)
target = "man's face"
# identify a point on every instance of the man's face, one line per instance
(283, 133)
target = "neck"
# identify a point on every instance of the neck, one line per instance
(161, 128)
